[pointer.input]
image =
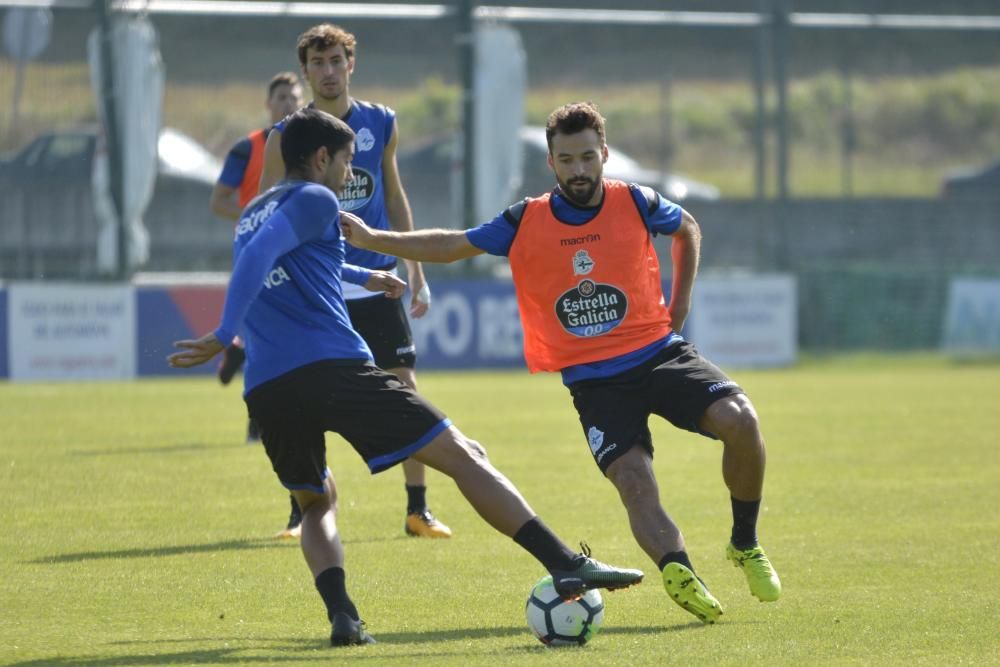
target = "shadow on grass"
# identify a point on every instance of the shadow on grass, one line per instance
(166, 449)
(153, 552)
(317, 650)
(182, 549)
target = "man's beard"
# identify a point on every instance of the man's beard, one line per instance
(574, 195)
(329, 97)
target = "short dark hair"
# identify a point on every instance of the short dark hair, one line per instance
(281, 79)
(306, 131)
(323, 37)
(573, 118)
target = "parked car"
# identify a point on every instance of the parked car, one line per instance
(431, 171)
(973, 182)
(48, 223)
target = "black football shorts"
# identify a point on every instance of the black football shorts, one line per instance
(382, 418)
(382, 322)
(677, 384)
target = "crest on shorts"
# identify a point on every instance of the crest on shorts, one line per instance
(595, 437)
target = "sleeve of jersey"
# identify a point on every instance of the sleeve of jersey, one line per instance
(661, 215)
(273, 240)
(235, 165)
(357, 275)
(312, 211)
(494, 237)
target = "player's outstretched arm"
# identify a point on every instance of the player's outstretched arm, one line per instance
(425, 245)
(195, 352)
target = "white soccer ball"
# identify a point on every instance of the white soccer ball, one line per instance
(559, 623)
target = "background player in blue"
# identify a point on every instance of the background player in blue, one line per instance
(618, 376)
(237, 185)
(309, 372)
(327, 56)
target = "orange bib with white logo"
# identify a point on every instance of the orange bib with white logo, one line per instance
(586, 292)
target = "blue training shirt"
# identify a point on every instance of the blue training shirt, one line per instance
(236, 163)
(660, 215)
(285, 296)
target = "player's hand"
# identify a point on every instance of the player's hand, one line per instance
(420, 302)
(195, 352)
(388, 283)
(354, 229)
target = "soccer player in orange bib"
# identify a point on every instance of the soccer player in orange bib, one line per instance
(588, 287)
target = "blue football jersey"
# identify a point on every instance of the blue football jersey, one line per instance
(285, 296)
(364, 195)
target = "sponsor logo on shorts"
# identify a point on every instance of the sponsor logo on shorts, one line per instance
(607, 450)
(406, 350)
(720, 385)
(595, 437)
(358, 191)
(591, 309)
(364, 140)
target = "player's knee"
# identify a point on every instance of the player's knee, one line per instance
(734, 418)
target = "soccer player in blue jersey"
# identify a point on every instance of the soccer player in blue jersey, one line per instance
(375, 193)
(589, 291)
(309, 372)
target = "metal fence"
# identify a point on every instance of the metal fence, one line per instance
(839, 114)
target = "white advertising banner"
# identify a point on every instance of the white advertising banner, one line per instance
(972, 318)
(71, 332)
(745, 321)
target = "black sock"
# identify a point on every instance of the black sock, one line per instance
(416, 499)
(540, 542)
(332, 588)
(296, 516)
(676, 557)
(745, 523)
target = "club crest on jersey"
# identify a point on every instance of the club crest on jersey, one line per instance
(358, 191)
(364, 140)
(591, 309)
(582, 263)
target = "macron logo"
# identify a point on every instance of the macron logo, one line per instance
(720, 385)
(276, 276)
(256, 219)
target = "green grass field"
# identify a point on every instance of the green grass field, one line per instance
(136, 528)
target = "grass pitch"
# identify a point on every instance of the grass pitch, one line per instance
(136, 528)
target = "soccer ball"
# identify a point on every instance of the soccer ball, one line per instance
(559, 623)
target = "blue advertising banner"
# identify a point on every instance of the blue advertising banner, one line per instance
(168, 314)
(471, 324)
